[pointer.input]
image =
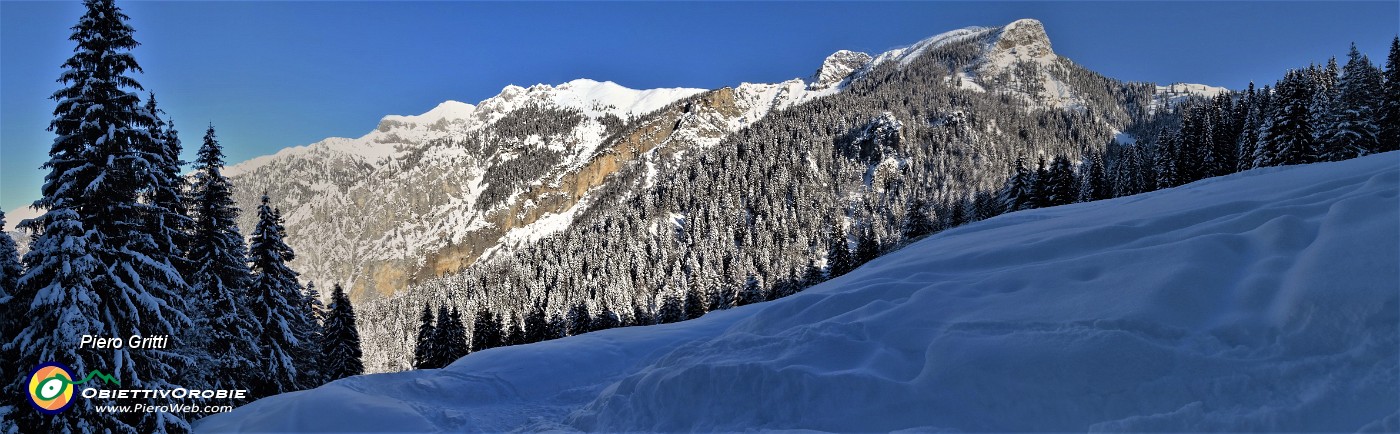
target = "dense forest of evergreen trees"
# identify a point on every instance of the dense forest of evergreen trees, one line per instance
(128, 246)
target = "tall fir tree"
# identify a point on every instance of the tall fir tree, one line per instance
(101, 263)
(1389, 114)
(641, 316)
(580, 319)
(340, 341)
(1287, 136)
(1164, 160)
(752, 291)
(453, 341)
(514, 334)
(867, 248)
(170, 220)
(1325, 110)
(486, 331)
(1061, 184)
(1095, 185)
(275, 299)
(536, 325)
(1040, 188)
(671, 310)
(57, 296)
(812, 274)
(838, 254)
(10, 272)
(1249, 131)
(423, 348)
(916, 220)
(313, 338)
(1017, 194)
(606, 318)
(1359, 99)
(220, 275)
(694, 304)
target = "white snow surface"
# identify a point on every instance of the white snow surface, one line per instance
(1260, 301)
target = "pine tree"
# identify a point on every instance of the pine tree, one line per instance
(340, 342)
(423, 348)
(170, 221)
(641, 316)
(838, 255)
(1095, 185)
(671, 310)
(1325, 111)
(694, 304)
(916, 221)
(1061, 184)
(1040, 188)
(100, 262)
(515, 335)
(313, 338)
(580, 320)
(785, 286)
(57, 297)
(867, 249)
(453, 342)
(812, 275)
(557, 328)
(1017, 194)
(275, 299)
(486, 331)
(606, 318)
(1164, 161)
(536, 325)
(10, 272)
(1389, 113)
(220, 275)
(1249, 132)
(1287, 137)
(1359, 98)
(721, 297)
(752, 292)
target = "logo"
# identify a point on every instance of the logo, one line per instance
(50, 386)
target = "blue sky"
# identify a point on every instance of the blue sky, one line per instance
(276, 74)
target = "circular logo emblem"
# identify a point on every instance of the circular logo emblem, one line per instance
(50, 388)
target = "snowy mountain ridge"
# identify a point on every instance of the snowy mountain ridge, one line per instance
(447, 158)
(1259, 301)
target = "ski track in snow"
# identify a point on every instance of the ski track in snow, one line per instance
(1265, 300)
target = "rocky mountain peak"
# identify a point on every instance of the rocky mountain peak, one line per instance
(1024, 39)
(837, 67)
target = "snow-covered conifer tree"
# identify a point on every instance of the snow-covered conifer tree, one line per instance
(1359, 98)
(423, 349)
(274, 298)
(101, 263)
(340, 340)
(220, 276)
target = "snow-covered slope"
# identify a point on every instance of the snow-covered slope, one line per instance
(1166, 97)
(1261, 301)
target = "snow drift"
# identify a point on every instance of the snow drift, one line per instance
(1264, 300)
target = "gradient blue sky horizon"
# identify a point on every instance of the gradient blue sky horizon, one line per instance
(271, 75)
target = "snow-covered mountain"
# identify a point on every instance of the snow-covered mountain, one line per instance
(1260, 301)
(405, 201)
(421, 196)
